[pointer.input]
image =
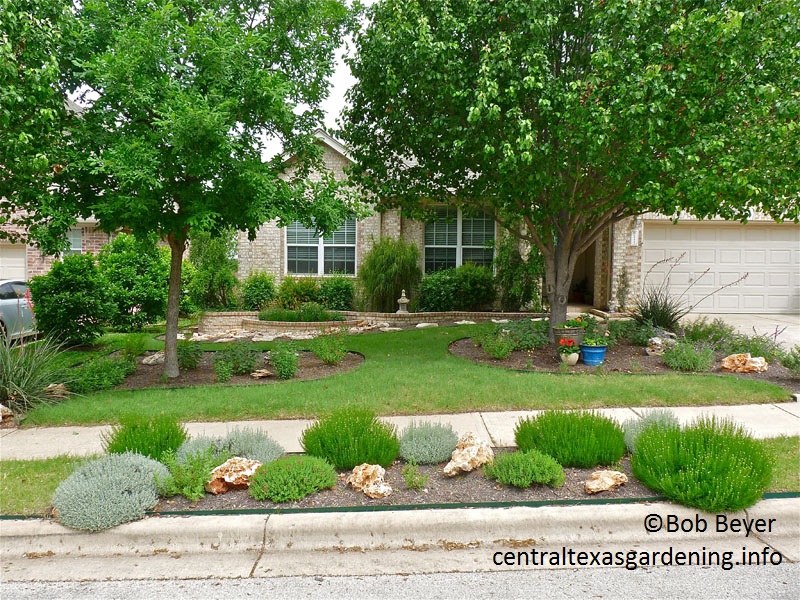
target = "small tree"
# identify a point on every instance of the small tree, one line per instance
(214, 277)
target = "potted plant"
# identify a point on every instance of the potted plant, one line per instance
(571, 330)
(593, 350)
(569, 350)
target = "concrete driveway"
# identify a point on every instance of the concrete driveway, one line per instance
(787, 325)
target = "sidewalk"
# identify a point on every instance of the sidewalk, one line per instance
(762, 420)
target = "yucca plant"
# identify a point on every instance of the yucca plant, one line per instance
(26, 371)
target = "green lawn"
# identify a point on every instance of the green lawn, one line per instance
(410, 372)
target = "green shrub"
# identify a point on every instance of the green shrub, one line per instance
(26, 371)
(330, 347)
(214, 279)
(294, 292)
(137, 276)
(284, 361)
(72, 301)
(276, 313)
(526, 334)
(756, 345)
(413, 478)
(685, 356)
(223, 370)
(516, 278)
(427, 443)
(108, 491)
(135, 346)
(250, 443)
(188, 477)
(711, 464)
(292, 478)
(468, 287)
(187, 305)
(100, 373)
(390, 267)
(311, 312)
(523, 469)
(791, 360)
(258, 290)
(200, 445)
(713, 334)
(498, 345)
(189, 355)
(150, 437)
(350, 437)
(654, 418)
(574, 439)
(337, 292)
(242, 356)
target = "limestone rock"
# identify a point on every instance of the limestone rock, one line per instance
(6, 416)
(390, 329)
(744, 363)
(233, 474)
(465, 323)
(604, 481)
(424, 325)
(154, 359)
(58, 391)
(657, 345)
(261, 374)
(500, 321)
(471, 452)
(369, 479)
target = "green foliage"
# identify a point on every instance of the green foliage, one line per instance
(189, 354)
(414, 479)
(574, 439)
(337, 292)
(242, 356)
(136, 275)
(427, 443)
(711, 464)
(714, 334)
(284, 361)
(258, 290)
(108, 491)
(135, 345)
(150, 437)
(294, 292)
(637, 333)
(214, 278)
(390, 267)
(498, 345)
(351, 436)
(468, 287)
(523, 469)
(690, 357)
(26, 371)
(199, 446)
(309, 312)
(527, 334)
(660, 308)
(654, 418)
(223, 370)
(756, 345)
(791, 360)
(517, 279)
(101, 373)
(188, 477)
(292, 478)
(251, 443)
(72, 300)
(330, 347)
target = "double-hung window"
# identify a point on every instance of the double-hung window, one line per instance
(308, 253)
(454, 238)
(75, 237)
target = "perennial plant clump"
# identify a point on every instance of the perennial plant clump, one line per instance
(427, 443)
(150, 437)
(292, 478)
(523, 469)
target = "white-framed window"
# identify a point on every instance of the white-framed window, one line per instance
(307, 253)
(75, 237)
(455, 238)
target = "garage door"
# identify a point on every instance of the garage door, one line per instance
(12, 261)
(769, 253)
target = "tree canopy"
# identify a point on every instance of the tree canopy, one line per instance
(561, 117)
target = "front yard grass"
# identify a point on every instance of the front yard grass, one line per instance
(409, 373)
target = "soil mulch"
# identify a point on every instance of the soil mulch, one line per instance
(468, 488)
(309, 367)
(620, 358)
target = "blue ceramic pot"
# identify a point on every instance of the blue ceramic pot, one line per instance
(593, 355)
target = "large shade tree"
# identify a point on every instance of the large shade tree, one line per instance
(181, 99)
(562, 117)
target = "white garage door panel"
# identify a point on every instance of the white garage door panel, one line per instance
(768, 252)
(12, 261)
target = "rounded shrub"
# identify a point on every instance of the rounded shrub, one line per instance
(251, 443)
(523, 469)
(711, 464)
(197, 446)
(337, 293)
(350, 437)
(575, 439)
(292, 478)
(427, 443)
(284, 361)
(468, 287)
(655, 418)
(150, 437)
(108, 491)
(690, 357)
(330, 347)
(258, 290)
(294, 292)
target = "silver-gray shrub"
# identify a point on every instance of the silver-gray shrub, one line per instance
(655, 418)
(109, 491)
(427, 443)
(245, 443)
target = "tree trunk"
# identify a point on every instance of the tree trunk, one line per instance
(559, 267)
(177, 247)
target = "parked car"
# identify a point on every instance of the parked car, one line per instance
(16, 310)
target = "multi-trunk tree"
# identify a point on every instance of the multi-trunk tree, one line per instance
(562, 117)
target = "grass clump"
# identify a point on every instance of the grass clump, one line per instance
(523, 469)
(574, 439)
(292, 478)
(350, 437)
(284, 361)
(150, 437)
(688, 357)
(712, 464)
(654, 418)
(414, 479)
(108, 491)
(330, 347)
(25, 373)
(427, 443)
